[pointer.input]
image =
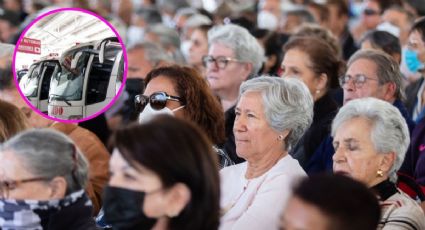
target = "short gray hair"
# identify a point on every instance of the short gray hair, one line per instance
(243, 44)
(153, 52)
(150, 15)
(288, 104)
(389, 129)
(49, 153)
(387, 69)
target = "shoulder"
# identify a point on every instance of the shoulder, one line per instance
(401, 210)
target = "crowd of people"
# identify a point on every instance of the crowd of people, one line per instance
(255, 114)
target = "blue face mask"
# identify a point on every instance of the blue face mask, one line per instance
(412, 60)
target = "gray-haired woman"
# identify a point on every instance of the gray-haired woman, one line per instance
(42, 180)
(370, 140)
(271, 115)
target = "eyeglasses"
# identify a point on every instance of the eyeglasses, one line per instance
(370, 12)
(220, 61)
(157, 100)
(7, 185)
(358, 80)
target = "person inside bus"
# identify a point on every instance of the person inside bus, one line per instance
(42, 184)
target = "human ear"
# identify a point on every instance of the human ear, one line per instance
(58, 187)
(178, 198)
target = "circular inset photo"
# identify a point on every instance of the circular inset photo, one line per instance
(70, 65)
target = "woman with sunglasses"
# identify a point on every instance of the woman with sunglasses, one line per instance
(183, 93)
(42, 181)
(164, 175)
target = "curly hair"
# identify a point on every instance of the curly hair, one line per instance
(202, 107)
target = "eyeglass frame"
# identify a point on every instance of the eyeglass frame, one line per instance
(342, 81)
(138, 103)
(215, 59)
(370, 12)
(7, 185)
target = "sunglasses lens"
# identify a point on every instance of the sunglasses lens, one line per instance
(370, 12)
(158, 101)
(140, 102)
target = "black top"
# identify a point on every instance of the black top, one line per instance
(229, 145)
(325, 109)
(385, 190)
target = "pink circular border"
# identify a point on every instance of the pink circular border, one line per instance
(125, 64)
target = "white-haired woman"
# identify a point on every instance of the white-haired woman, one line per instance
(370, 140)
(234, 56)
(42, 181)
(271, 115)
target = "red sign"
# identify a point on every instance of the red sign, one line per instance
(57, 110)
(29, 45)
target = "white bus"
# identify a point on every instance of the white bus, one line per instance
(91, 74)
(35, 83)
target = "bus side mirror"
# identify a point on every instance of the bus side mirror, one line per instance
(102, 52)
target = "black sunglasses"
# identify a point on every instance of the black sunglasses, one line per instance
(370, 12)
(157, 100)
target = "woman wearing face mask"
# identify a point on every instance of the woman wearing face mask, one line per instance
(164, 176)
(42, 184)
(315, 63)
(415, 59)
(182, 92)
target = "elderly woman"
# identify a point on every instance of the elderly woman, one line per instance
(271, 115)
(42, 184)
(234, 56)
(164, 176)
(182, 92)
(370, 140)
(315, 63)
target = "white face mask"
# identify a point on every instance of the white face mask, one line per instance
(390, 28)
(267, 20)
(149, 113)
(134, 35)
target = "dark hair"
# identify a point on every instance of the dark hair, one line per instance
(273, 43)
(12, 121)
(6, 77)
(383, 40)
(320, 32)
(150, 15)
(178, 152)
(342, 6)
(348, 204)
(386, 4)
(202, 107)
(419, 25)
(322, 58)
(322, 9)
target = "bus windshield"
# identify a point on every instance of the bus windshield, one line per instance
(68, 85)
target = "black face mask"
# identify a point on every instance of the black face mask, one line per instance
(123, 209)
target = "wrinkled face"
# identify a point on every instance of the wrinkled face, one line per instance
(416, 43)
(297, 64)
(198, 48)
(299, 215)
(228, 79)
(355, 153)
(371, 16)
(164, 84)
(138, 66)
(140, 179)
(370, 88)
(253, 135)
(16, 170)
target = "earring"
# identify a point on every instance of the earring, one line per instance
(318, 91)
(280, 137)
(380, 173)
